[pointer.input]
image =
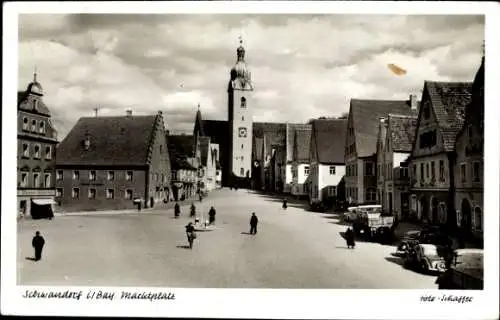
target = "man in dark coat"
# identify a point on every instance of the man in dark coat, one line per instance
(38, 243)
(253, 223)
(285, 204)
(211, 216)
(177, 210)
(193, 211)
(349, 237)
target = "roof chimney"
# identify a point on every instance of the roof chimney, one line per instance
(413, 102)
(128, 112)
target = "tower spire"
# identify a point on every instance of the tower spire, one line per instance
(34, 74)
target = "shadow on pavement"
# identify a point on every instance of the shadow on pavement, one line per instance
(396, 260)
(183, 247)
(31, 259)
(244, 232)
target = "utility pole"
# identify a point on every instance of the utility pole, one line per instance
(96, 111)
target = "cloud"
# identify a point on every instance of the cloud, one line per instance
(302, 66)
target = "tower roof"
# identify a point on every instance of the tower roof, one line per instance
(35, 87)
(240, 69)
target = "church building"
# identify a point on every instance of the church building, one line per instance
(248, 149)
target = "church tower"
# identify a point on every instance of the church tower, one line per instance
(240, 90)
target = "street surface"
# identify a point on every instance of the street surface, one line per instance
(293, 248)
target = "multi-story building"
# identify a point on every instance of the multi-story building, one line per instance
(291, 130)
(209, 164)
(382, 131)
(326, 156)
(469, 164)
(36, 153)
(183, 173)
(400, 133)
(432, 158)
(112, 163)
(361, 144)
(300, 160)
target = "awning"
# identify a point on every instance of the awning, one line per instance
(42, 202)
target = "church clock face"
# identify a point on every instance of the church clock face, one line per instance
(242, 132)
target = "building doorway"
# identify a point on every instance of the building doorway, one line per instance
(466, 222)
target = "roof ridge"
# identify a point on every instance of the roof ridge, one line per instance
(397, 115)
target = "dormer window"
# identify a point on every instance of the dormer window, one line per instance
(33, 126)
(41, 128)
(35, 105)
(243, 102)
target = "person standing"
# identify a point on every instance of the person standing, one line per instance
(285, 204)
(211, 216)
(253, 223)
(38, 243)
(193, 211)
(177, 210)
(349, 237)
(191, 234)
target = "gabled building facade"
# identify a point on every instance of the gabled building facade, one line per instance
(469, 165)
(183, 167)
(36, 154)
(291, 130)
(361, 145)
(327, 167)
(300, 161)
(112, 163)
(432, 159)
(400, 133)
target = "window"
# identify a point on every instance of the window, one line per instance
(306, 170)
(421, 171)
(242, 146)
(242, 171)
(427, 139)
(242, 158)
(243, 102)
(36, 180)
(92, 175)
(26, 150)
(463, 172)
(33, 126)
(48, 153)
(110, 194)
(47, 180)
(92, 193)
(35, 104)
(332, 170)
(403, 172)
(371, 194)
(129, 176)
(332, 191)
(24, 179)
(128, 194)
(41, 128)
(25, 123)
(441, 170)
(475, 171)
(59, 192)
(111, 175)
(37, 152)
(433, 170)
(478, 219)
(242, 118)
(427, 170)
(414, 171)
(76, 175)
(368, 169)
(59, 175)
(75, 193)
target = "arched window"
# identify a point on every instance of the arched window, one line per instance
(442, 213)
(25, 124)
(478, 219)
(243, 102)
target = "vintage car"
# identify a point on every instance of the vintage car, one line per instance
(430, 235)
(373, 223)
(465, 272)
(410, 239)
(425, 257)
(351, 214)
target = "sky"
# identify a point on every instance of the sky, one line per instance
(302, 66)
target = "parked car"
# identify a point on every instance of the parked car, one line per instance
(465, 273)
(429, 235)
(425, 257)
(351, 214)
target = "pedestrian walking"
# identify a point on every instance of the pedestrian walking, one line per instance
(211, 216)
(38, 243)
(177, 210)
(191, 234)
(285, 204)
(349, 237)
(201, 196)
(193, 211)
(253, 223)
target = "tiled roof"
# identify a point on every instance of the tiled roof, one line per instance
(24, 102)
(204, 149)
(303, 140)
(449, 100)
(275, 134)
(330, 139)
(218, 131)
(121, 140)
(291, 128)
(180, 147)
(402, 130)
(366, 114)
